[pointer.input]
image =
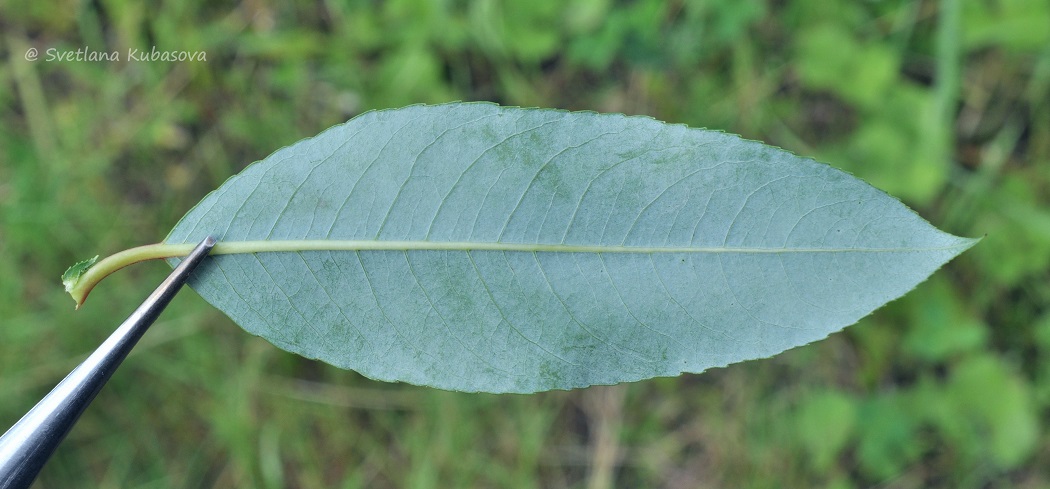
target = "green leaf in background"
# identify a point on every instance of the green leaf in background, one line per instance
(474, 247)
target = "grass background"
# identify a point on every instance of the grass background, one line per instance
(945, 104)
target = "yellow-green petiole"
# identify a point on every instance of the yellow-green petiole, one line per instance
(80, 278)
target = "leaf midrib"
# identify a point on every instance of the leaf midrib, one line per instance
(240, 247)
(80, 286)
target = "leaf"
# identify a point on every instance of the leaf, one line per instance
(73, 273)
(480, 248)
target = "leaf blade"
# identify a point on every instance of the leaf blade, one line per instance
(580, 248)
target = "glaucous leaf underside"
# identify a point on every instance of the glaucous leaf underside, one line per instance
(485, 248)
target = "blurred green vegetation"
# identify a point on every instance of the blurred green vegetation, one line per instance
(945, 104)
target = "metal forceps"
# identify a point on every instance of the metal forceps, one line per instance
(30, 442)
